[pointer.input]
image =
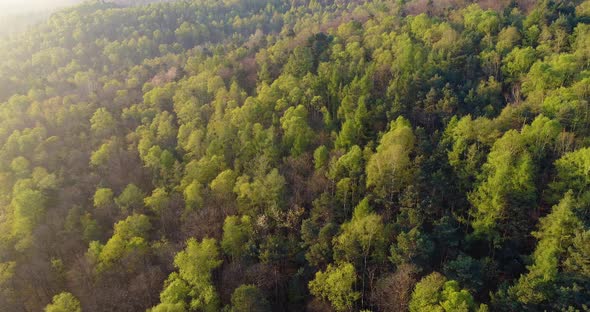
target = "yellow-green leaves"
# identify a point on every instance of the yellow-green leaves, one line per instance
(435, 293)
(557, 233)
(102, 123)
(191, 287)
(29, 207)
(364, 237)
(131, 198)
(336, 285)
(130, 236)
(506, 193)
(103, 197)
(237, 235)
(64, 302)
(158, 201)
(573, 170)
(390, 169)
(263, 194)
(297, 133)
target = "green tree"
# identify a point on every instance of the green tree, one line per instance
(103, 197)
(390, 168)
(467, 271)
(435, 293)
(300, 62)
(297, 133)
(193, 196)
(131, 198)
(102, 123)
(518, 62)
(158, 201)
(191, 287)
(347, 171)
(336, 285)
(224, 183)
(572, 175)
(502, 199)
(320, 156)
(543, 284)
(237, 236)
(428, 294)
(554, 72)
(353, 129)
(130, 237)
(318, 241)
(578, 254)
(411, 247)
(64, 302)
(507, 39)
(21, 167)
(262, 195)
(486, 22)
(103, 154)
(363, 238)
(29, 207)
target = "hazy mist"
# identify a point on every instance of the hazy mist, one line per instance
(11, 7)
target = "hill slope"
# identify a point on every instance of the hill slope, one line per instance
(297, 155)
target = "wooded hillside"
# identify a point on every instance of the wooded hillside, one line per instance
(302, 155)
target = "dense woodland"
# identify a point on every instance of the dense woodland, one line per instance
(297, 155)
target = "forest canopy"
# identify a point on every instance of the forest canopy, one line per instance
(301, 155)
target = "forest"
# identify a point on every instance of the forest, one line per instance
(297, 155)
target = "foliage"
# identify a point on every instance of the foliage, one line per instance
(336, 284)
(328, 152)
(191, 287)
(64, 302)
(558, 233)
(237, 236)
(435, 293)
(390, 168)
